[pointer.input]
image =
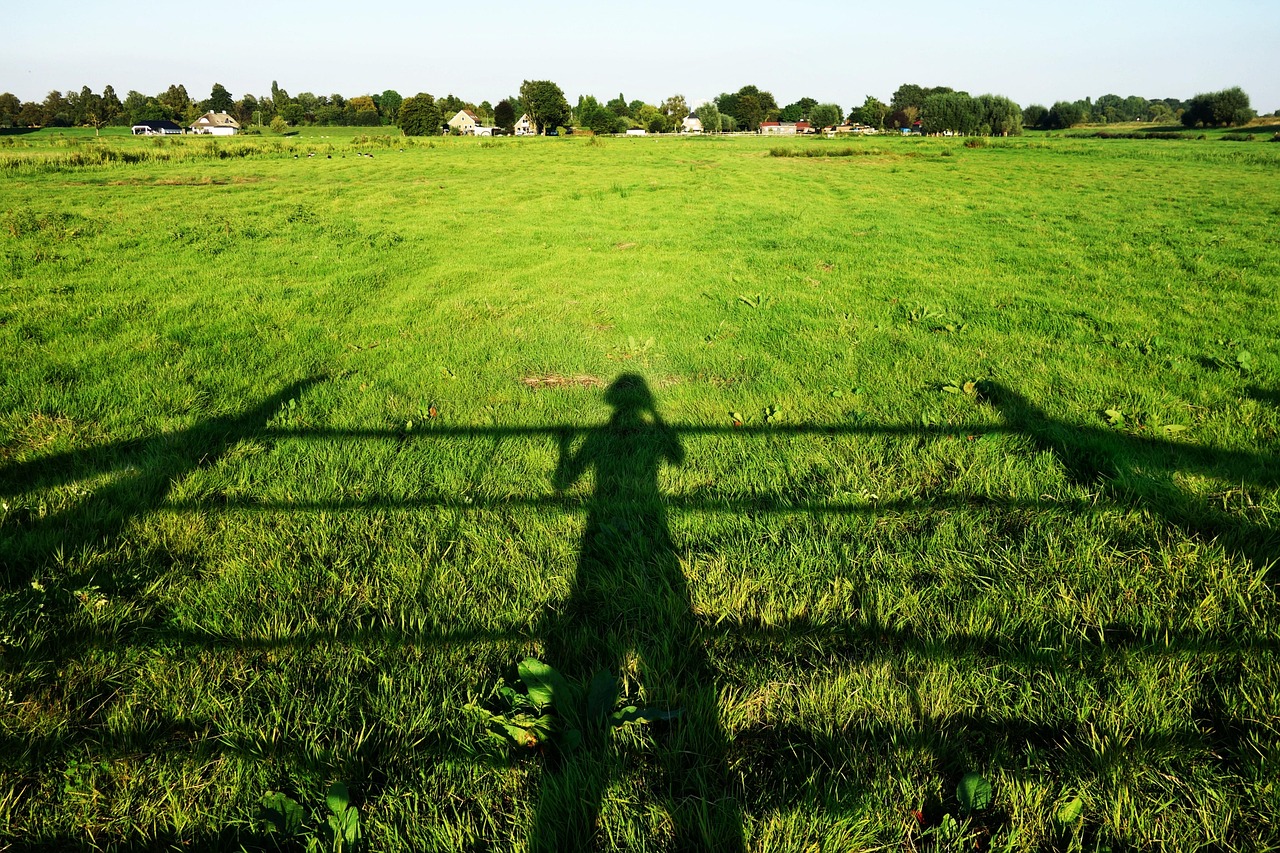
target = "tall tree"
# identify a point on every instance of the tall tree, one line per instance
(450, 105)
(709, 115)
(366, 111)
(98, 112)
(220, 99)
(545, 103)
(727, 104)
(1159, 112)
(950, 111)
(751, 112)
(111, 103)
(798, 111)
(825, 115)
(998, 116)
(675, 108)
(872, 113)
(244, 110)
(31, 115)
(1034, 116)
(10, 106)
(618, 106)
(419, 116)
(389, 106)
(504, 115)
(1064, 114)
(57, 110)
(908, 95)
(175, 101)
(592, 115)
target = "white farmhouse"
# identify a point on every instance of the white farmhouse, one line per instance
(524, 127)
(215, 124)
(691, 124)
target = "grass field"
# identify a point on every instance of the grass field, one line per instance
(849, 476)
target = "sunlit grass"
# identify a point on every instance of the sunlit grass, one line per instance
(976, 476)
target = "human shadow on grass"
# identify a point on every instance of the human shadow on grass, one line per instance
(629, 606)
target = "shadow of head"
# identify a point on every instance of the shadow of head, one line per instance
(628, 394)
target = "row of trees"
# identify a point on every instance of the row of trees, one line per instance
(1213, 109)
(87, 109)
(933, 109)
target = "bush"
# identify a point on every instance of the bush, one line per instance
(279, 125)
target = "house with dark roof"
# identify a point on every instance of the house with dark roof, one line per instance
(215, 124)
(156, 128)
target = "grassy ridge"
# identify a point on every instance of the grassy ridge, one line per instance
(284, 445)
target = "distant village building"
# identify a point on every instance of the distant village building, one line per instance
(785, 128)
(525, 127)
(156, 128)
(465, 122)
(215, 124)
(778, 128)
(691, 124)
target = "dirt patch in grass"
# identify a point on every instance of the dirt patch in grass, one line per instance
(555, 380)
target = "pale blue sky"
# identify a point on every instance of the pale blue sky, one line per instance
(1033, 52)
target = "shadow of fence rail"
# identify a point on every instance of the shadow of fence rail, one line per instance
(1137, 472)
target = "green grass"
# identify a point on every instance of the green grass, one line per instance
(879, 469)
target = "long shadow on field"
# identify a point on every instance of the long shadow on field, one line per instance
(630, 596)
(140, 472)
(139, 477)
(630, 608)
(1141, 470)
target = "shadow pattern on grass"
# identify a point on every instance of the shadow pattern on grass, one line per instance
(613, 615)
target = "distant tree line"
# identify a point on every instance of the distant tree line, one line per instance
(1215, 109)
(88, 109)
(938, 109)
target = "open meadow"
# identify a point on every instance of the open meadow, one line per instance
(643, 494)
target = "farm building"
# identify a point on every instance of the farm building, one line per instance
(691, 124)
(851, 128)
(156, 128)
(215, 124)
(777, 128)
(524, 127)
(465, 122)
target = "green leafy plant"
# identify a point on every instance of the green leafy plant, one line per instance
(342, 827)
(1070, 811)
(969, 387)
(974, 793)
(281, 815)
(542, 710)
